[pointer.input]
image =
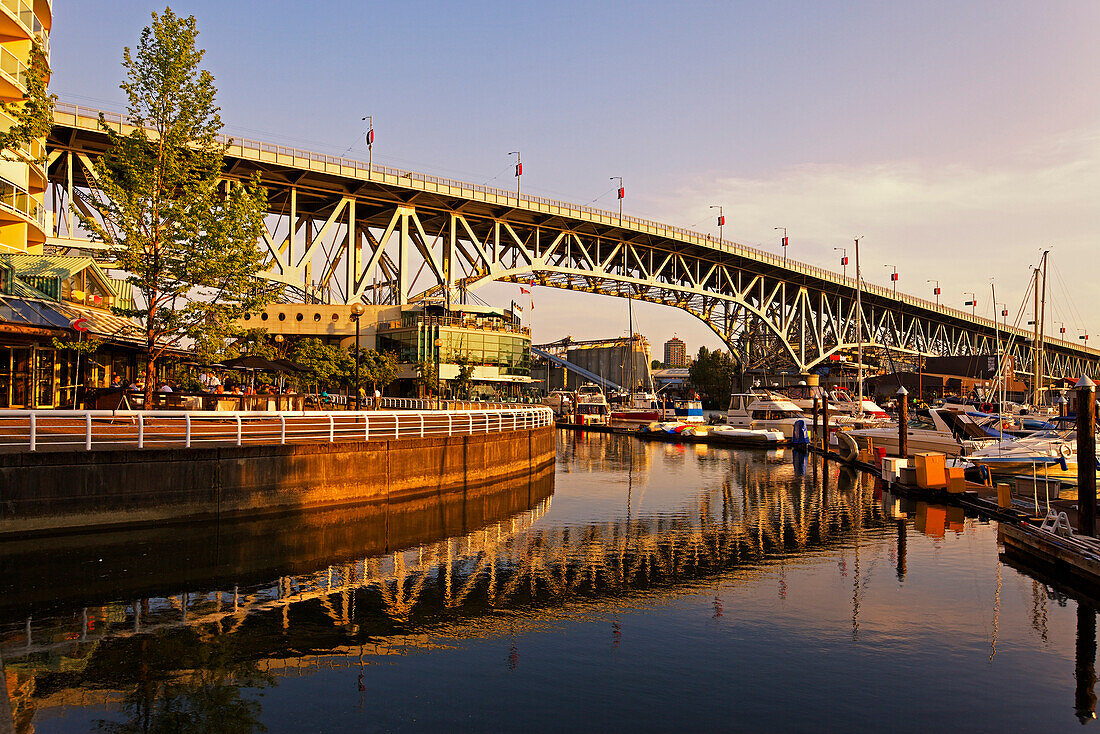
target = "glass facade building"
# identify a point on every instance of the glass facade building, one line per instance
(484, 341)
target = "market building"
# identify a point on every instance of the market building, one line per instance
(47, 305)
(491, 340)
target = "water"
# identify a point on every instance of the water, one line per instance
(643, 587)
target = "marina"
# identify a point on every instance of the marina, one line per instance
(638, 555)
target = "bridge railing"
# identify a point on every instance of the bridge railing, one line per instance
(362, 169)
(71, 430)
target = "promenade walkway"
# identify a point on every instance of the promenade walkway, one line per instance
(64, 430)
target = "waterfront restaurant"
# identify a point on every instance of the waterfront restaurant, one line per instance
(493, 341)
(41, 298)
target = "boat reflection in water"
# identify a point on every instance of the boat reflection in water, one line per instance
(637, 588)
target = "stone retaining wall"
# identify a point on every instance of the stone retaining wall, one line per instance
(65, 491)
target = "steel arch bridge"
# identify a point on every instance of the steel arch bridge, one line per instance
(342, 231)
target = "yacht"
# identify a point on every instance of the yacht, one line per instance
(591, 408)
(844, 410)
(641, 410)
(943, 431)
(766, 410)
(687, 411)
(1051, 453)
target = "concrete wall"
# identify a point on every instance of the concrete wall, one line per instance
(83, 569)
(52, 492)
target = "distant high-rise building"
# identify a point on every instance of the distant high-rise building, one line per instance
(675, 353)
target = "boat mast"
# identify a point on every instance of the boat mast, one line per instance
(859, 329)
(1000, 369)
(630, 350)
(1042, 327)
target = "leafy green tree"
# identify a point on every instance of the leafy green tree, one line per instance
(461, 383)
(426, 378)
(713, 375)
(656, 365)
(324, 364)
(187, 243)
(376, 368)
(33, 115)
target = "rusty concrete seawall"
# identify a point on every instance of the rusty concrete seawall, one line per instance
(75, 491)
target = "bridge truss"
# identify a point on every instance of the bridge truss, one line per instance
(341, 232)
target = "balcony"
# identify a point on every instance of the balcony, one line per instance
(456, 323)
(14, 200)
(18, 20)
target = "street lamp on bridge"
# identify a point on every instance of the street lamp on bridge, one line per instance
(519, 171)
(1061, 330)
(893, 278)
(936, 290)
(721, 220)
(369, 119)
(785, 243)
(973, 303)
(843, 259)
(622, 195)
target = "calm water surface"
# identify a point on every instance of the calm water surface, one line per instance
(642, 587)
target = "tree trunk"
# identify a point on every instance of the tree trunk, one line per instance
(150, 381)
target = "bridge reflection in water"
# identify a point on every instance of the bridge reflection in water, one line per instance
(125, 623)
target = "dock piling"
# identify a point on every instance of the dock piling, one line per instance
(1086, 455)
(903, 422)
(816, 435)
(825, 425)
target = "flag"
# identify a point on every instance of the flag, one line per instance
(517, 307)
(370, 137)
(622, 192)
(519, 170)
(524, 290)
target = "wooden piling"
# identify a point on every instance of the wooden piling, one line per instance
(825, 425)
(903, 422)
(1086, 456)
(815, 433)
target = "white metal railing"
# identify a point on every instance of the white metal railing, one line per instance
(17, 199)
(86, 430)
(438, 184)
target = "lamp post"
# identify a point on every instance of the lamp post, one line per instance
(1061, 330)
(721, 220)
(973, 303)
(622, 195)
(370, 141)
(843, 260)
(519, 171)
(936, 290)
(438, 383)
(785, 243)
(357, 310)
(1085, 337)
(279, 339)
(893, 278)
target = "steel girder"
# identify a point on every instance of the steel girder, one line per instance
(338, 232)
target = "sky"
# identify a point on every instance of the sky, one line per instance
(959, 138)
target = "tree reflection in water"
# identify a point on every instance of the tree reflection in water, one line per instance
(189, 682)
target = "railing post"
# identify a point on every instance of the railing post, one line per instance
(366, 428)
(450, 423)
(470, 416)
(282, 428)
(397, 425)
(238, 430)
(141, 430)
(187, 430)
(34, 432)
(422, 425)
(331, 429)
(87, 431)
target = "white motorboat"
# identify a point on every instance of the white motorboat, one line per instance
(945, 431)
(766, 410)
(591, 407)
